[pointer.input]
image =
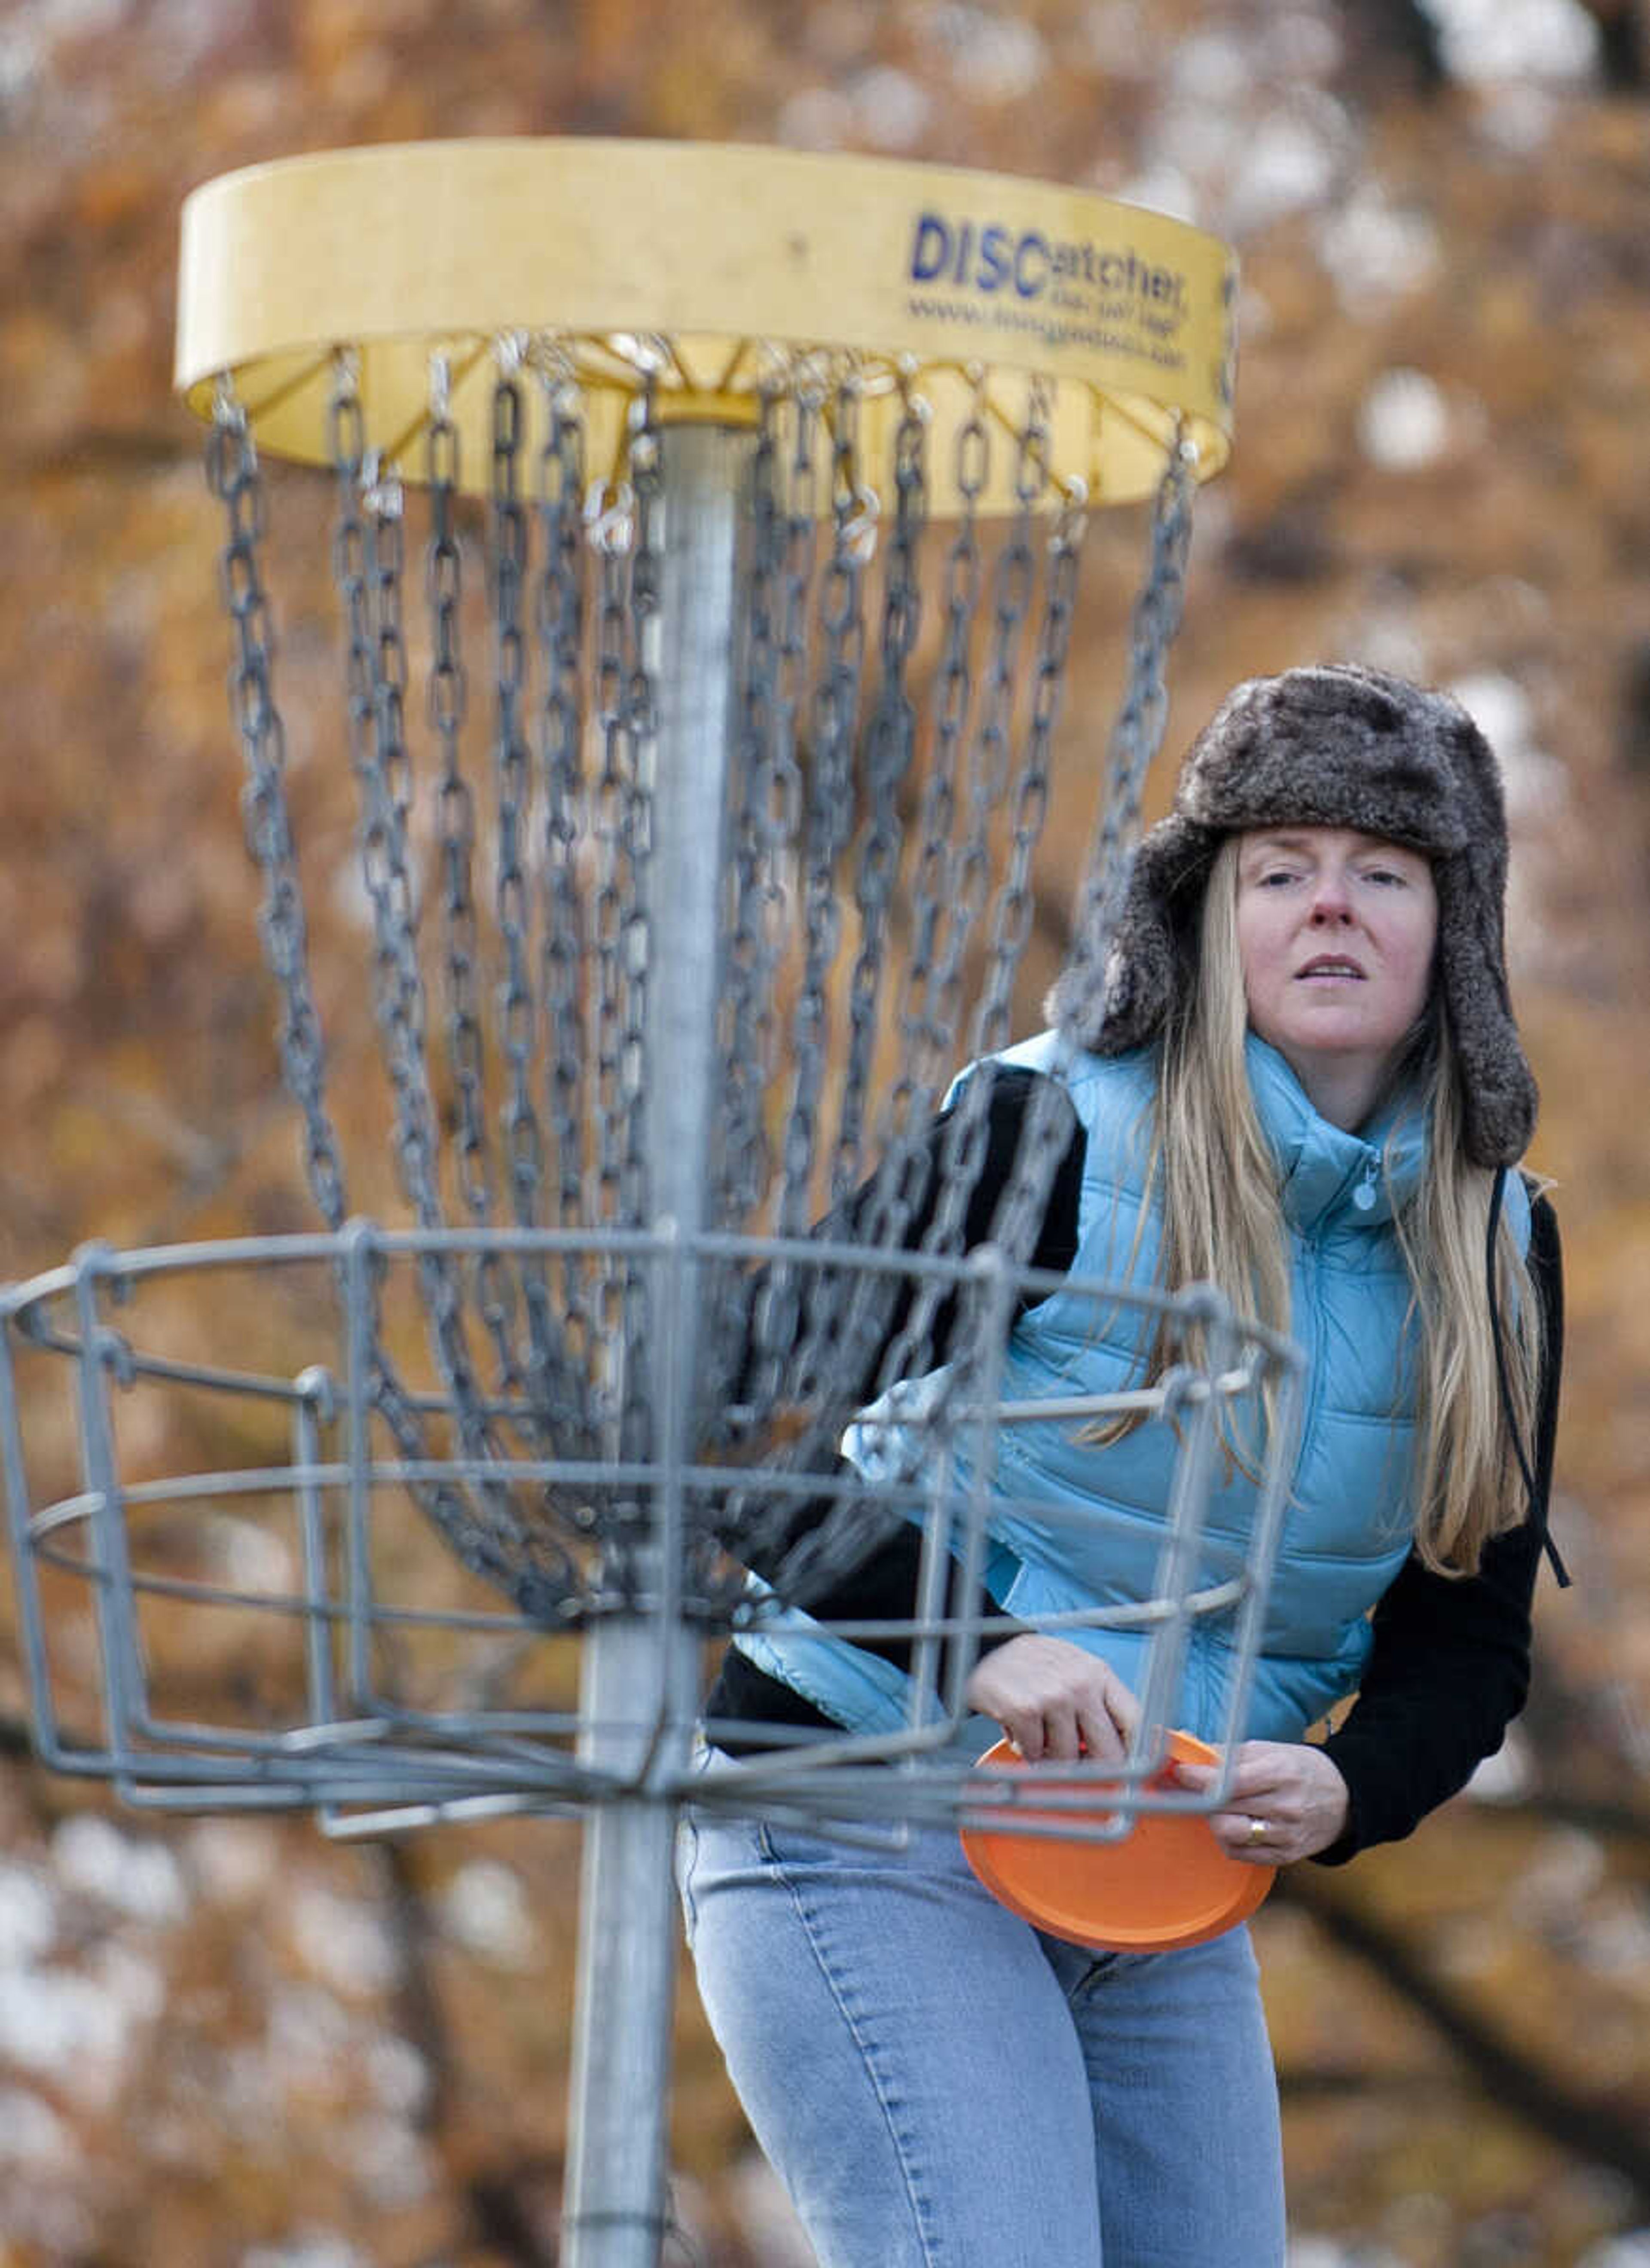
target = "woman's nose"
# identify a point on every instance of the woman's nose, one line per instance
(1330, 900)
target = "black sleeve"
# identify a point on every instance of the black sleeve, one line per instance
(1010, 1094)
(882, 1585)
(1450, 1668)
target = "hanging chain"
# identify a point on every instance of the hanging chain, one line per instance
(612, 894)
(829, 809)
(559, 621)
(847, 1317)
(446, 698)
(826, 817)
(892, 743)
(478, 1528)
(235, 478)
(1134, 740)
(746, 1009)
(1138, 730)
(550, 1396)
(641, 739)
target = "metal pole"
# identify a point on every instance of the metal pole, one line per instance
(640, 1690)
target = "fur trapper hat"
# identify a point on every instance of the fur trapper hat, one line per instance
(1335, 746)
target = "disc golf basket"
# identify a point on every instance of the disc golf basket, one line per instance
(685, 892)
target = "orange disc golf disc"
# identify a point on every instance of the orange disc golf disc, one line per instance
(1167, 1883)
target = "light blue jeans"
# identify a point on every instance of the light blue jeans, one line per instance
(940, 2086)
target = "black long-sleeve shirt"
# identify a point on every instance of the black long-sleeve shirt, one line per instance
(1449, 1664)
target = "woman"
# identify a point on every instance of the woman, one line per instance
(1299, 1077)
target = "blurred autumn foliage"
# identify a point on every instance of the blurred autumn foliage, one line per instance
(227, 2041)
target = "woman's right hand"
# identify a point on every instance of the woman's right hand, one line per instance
(1055, 1701)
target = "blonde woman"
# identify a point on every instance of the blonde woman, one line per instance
(1297, 1075)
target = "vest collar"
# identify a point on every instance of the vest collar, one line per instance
(1331, 1179)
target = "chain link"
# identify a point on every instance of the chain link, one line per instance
(559, 627)
(1137, 732)
(235, 480)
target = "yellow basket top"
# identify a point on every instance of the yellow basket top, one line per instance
(710, 267)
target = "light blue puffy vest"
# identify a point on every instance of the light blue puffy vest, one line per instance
(1348, 1526)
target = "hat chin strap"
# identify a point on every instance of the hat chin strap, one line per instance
(1498, 1190)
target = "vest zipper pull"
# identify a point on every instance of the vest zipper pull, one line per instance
(1364, 1194)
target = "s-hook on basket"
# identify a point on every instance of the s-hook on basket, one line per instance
(760, 479)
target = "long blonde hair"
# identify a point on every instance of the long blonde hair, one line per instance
(1223, 1223)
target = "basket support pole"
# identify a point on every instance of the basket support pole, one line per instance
(640, 1670)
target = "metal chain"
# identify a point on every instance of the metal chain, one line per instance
(235, 478)
(365, 567)
(830, 811)
(485, 1531)
(1135, 738)
(446, 698)
(963, 1154)
(827, 818)
(848, 1335)
(559, 623)
(891, 745)
(1137, 732)
(550, 1399)
(641, 735)
(747, 1013)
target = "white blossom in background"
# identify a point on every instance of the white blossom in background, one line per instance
(1508, 1775)
(28, 1917)
(1252, 164)
(1553, 39)
(1566, 1870)
(817, 118)
(1298, 43)
(992, 57)
(308, 2036)
(1330, 2252)
(1164, 188)
(485, 1909)
(1535, 783)
(317, 2249)
(59, 2021)
(343, 1941)
(1210, 69)
(1519, 118)
(388, 2160)
(1404, 422)
(1123, 38)
(247, 1557)
(1375, 253)
(1630, 2251)
(398, 2075)
(890, 109)
(232, 1860)
(767, 2216)
(33, 2140)
(140, 1879)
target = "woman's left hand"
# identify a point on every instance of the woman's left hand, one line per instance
(1286, 1800)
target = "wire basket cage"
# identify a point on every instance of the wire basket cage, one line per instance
(287, 1620)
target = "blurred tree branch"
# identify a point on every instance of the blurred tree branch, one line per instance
(1579, 2123)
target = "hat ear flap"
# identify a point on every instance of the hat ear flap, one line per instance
(1499, 1090)
(1117, 991)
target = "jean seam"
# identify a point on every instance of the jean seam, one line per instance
(1100, 1966)
(685, 1871)
(805, 1915)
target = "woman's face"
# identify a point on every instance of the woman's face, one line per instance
(1335, 931)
